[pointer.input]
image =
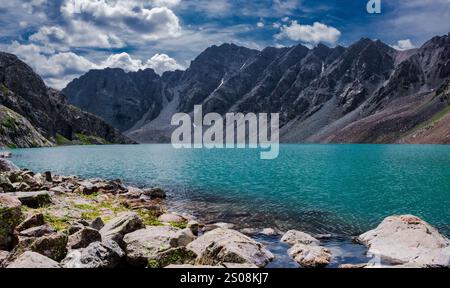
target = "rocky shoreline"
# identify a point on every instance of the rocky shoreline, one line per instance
(52, 221)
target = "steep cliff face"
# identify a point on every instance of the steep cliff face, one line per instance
(46, 110)
(368, 92)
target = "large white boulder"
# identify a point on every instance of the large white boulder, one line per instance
(408, 239)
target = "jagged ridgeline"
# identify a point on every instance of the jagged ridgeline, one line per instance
(365, 93)
(33, 115)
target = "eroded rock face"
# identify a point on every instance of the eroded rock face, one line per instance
(293, 237)
(225, 245)
(105, 254)
(10, 217)
(31, 259)
(150, 243)
(310, 256)
(408, 239)
(124, 223)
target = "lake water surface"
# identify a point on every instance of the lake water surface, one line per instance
(338, 189)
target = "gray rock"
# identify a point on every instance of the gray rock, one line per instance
(171, 218)
(50, 245)
(239, 266)
(31, 259)
(147, 244)
(225, 245)
(154, 193)
(105, 254)
(37, 231)
(97, 223)
(124, 223)
(3, 255)
(10, 217)
(83, 238)
(5, 184)
(293, 237)
(32, 199)
(408, 239)
(193, 226)
(310, 256)
(7, 166)
(86, 187)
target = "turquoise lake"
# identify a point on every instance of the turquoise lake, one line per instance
(340, 189)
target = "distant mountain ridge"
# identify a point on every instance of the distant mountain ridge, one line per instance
(366, 93)
(33, 115)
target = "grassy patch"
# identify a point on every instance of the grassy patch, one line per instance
(57, 223)
(148, 218)
(434, 120)
(61, 140)
(4, 89)
(90, 140)
(172, 256)
(180, 225)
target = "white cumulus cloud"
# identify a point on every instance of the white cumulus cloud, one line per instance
(309, 34)
(404, 45)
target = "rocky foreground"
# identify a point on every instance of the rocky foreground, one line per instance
(51, 221)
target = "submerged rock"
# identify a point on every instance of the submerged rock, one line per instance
(31, 259)
(124, 223)
(225, 245)
(310, 256)
(408, 239)
(105, 254)
(10, 217)
(293, 237)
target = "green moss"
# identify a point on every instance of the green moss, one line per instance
(172, 256)
(148, 218)
(181, 225)
(57, 223)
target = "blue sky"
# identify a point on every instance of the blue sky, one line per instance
(63, 39)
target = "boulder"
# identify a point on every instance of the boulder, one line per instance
(31, 259)
(83, 238)
(86, 188)
(293, 237)
(408, 239)
(310, 256)
(105, 254)
(172, 256)
(97, 223)
(225, 245)
(193, 226)
(7, 166)
(171, 218)
(147, 244)
(5, 183)
(60, 190)
(353, 266)
(154, 193)
(32, 199)
(50, 245)
(37, 231)
(10, 217)
(269, 232)
(124, 223)
(222, 225)
(48, 176)
(239, 266)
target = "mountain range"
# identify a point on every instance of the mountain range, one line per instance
(34, 115)
(365, 93)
